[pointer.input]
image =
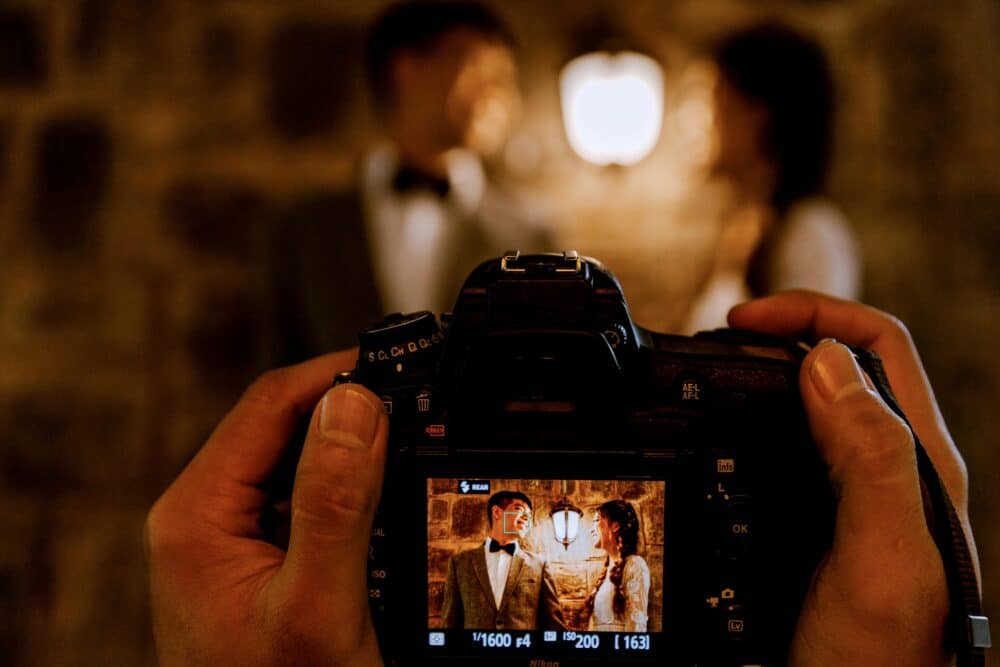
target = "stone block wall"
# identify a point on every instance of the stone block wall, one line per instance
(457, 522)
(143, 144)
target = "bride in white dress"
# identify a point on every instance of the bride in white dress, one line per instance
(619, 602)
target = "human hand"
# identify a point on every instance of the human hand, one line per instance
(221, 594)
(879, 597)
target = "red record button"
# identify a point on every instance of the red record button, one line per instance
(435, 430)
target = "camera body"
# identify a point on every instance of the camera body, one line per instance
(540, 383)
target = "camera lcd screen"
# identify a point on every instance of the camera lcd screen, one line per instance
(542, 565)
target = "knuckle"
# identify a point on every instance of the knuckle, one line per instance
(268, 388)
(879, 440)
(334, 488)
(336, 510)
(159, 531)
(896, 329)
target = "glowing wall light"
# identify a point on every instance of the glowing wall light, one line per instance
(612, 106)
(565, 520)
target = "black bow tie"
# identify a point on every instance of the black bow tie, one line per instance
(409, 178)
(496, 546)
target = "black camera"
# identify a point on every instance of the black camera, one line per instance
(662, 494)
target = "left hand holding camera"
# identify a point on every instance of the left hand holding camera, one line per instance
(221, 594)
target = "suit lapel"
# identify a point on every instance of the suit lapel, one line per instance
(334, 275)
(468, 249)
(512, 576)
(483, 575)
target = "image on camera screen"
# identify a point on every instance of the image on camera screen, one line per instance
(531, 554)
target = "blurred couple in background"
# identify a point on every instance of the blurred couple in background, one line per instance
(425, 211)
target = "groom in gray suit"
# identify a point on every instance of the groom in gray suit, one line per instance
(499, 585)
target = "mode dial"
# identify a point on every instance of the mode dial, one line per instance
(400, 349)
(616, 335)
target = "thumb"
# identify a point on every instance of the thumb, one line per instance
(337, 486)
(869, 451)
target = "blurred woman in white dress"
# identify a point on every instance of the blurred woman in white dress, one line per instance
(773, 124)
(619, 601)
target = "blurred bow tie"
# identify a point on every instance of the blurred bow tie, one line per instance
(496, 546)
(409, 178)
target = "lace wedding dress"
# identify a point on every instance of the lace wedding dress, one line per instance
(635, 588)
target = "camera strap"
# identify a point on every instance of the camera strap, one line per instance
(968, 630)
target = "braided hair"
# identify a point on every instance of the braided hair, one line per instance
(627, 537)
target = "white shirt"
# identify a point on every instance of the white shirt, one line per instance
(498, 565)
(412, 234)
(816, 251)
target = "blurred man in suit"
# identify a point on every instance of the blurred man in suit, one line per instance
(500, 586)
(424, 212)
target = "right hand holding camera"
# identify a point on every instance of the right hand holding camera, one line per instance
(880, 596)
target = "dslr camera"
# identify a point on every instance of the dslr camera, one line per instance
(539, 386)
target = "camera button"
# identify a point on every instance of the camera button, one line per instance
(725, 465)
(423, 401)
(735, 529)
(735, 623)
(616, 335)
(690, 389)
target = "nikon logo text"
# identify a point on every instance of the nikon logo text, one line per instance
(543, 663)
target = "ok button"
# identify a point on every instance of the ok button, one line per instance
(735, 531)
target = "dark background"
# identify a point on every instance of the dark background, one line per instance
(143, 143)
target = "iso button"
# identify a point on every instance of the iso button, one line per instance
(378, 575)
(376, 546)
(735, 528)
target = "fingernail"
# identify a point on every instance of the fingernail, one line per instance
(347, 410)
(834, 371)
